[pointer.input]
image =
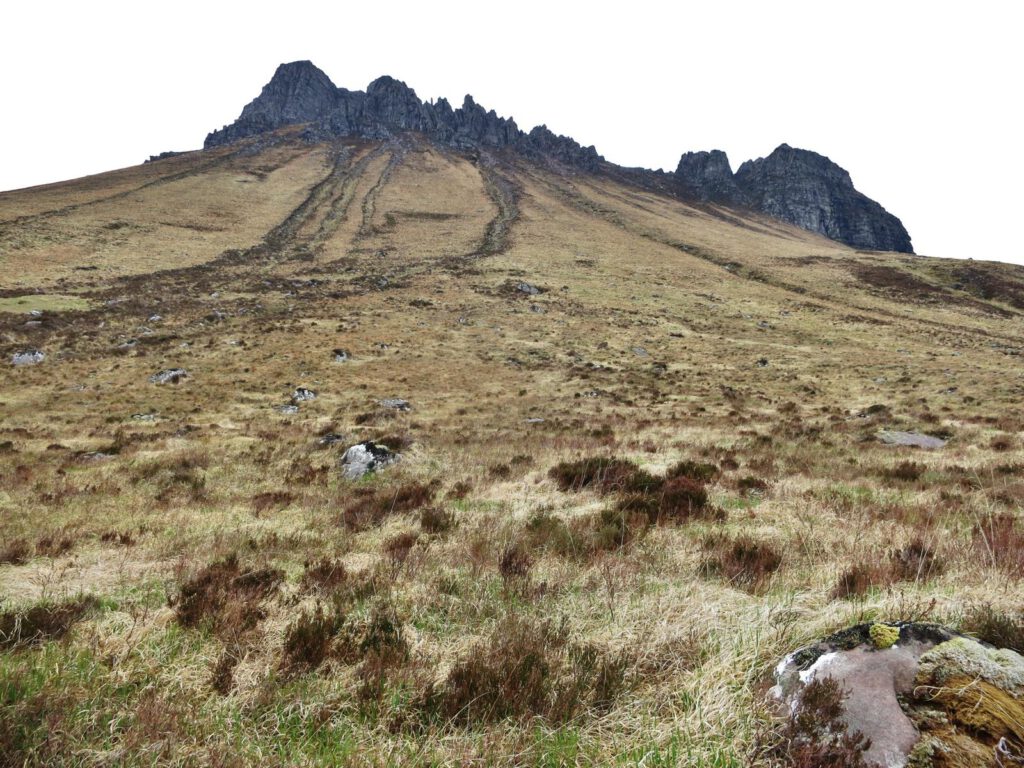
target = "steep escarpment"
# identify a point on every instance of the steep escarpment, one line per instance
(793, 185)
(809, 190)
(300, 93)
(799, 187)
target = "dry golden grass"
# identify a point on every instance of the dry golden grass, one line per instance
(663, 333)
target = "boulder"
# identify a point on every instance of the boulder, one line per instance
(395, 404)
(341, 356)
(169, 376)
(28, 357)
(916, 690)
(302, 394)
(911, 439)
(366, 457)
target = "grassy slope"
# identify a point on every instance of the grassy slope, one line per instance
(644, 345)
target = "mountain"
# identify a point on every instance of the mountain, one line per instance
(649, 446)
(796, 186)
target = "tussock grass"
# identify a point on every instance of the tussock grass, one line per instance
(586, 556)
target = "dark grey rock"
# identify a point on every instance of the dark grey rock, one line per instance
(169, 376)
(299, 93)
(794, 185)
(302, 394)
(28, 357)
(366, 457)
(341, 356)
(528, 289)
(707, 176)
(810, 191)
(395, 403)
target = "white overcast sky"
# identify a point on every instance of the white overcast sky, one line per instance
(919, 101)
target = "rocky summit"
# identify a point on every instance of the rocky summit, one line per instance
(794, 185)
(799, 187)
(300, 92)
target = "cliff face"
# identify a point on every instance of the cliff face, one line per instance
(809, 190)
(794, 185)
(707, 176)
(301, 93)
(798, 187)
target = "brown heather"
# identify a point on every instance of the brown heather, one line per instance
(620, 501)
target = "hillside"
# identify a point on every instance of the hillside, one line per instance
(208, 588)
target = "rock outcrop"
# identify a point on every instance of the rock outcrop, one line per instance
(300, 93)
(799, 187)
(916, 691)
(707, 176)
(809, 190)
(794, 185)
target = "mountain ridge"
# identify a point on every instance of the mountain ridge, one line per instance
(793, 185)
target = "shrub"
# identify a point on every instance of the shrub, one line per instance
(373, 507)
(681, 498)
(226, 597)
(525, 668)
(1000, 541)
(860, 578)
(917, 561)
(907, 471)
(514, 566)
(605, 475)
(436, 520)
(741, 560)
(271, 501)
(694, 470)
(307, 640)
(398, 547)
(15, 552)
(43, 622)
(1003, 630)
(814, 735)
(324, 574)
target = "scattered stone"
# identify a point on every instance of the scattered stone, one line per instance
(287, 408)
(395, 403)
(28, 357)
(35, 312)
(960, 699)
(762, 362)
(366, 457)
(95, 456)
(154, 319)
(302, 394)
(130, 344)
(639, 351)
(535, 420)
(528, 289)
(911, 439)
(169, 376)
(331, 438)
(144, 416)
(341, 356)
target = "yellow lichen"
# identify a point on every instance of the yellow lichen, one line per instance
(884, 636)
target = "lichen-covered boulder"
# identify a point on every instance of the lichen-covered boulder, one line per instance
(922, 694)
(366, 457)
(968, 700)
